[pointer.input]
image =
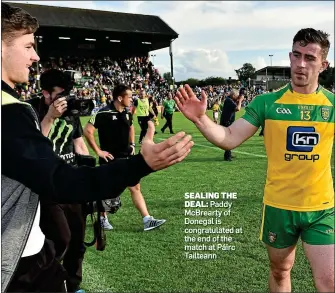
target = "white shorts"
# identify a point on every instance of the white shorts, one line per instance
(216, 115)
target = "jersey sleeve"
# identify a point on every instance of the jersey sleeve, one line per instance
(45, 173)
(255, 112)
(94, 120)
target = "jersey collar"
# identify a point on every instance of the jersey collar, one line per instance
(316, 92)
(112, 107)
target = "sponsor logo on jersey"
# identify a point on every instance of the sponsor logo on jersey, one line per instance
(63, 130)
(283, 111)
(301, 139)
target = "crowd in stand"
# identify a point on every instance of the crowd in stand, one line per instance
(219, 93)
(100, 75)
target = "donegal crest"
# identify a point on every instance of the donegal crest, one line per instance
(325, 113)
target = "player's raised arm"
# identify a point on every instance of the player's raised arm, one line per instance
(223, 137)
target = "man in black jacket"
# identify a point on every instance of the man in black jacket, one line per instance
(231, 105)
(30, 167)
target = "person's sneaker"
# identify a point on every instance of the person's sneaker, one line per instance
(105, 224)
(80, 291)
(153, 223)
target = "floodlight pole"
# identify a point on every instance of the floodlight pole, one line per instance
(171, 61)
(266, 74)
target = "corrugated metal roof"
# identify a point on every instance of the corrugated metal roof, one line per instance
(52, 16)
(272, 69)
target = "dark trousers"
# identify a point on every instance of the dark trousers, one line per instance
(143, 122)
(65, 225)
(168, 122)
(39, 273)
(261, 132)
(227, 154)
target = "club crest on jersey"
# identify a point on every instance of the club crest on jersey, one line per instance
(325, 113)
(272, 237)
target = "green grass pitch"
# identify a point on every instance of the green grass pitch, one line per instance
(154, 261)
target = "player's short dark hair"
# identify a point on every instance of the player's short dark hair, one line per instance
(54, 77)
(15, 21)
(311, 36)
(120, 90)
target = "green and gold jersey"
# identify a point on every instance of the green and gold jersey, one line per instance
(299, 136)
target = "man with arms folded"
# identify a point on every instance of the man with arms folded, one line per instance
(299, 135)
(30, 169)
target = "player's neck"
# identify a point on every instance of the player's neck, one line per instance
(309, 89)
(118, 106)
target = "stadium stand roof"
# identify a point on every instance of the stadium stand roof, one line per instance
(273, 69)
(80, 24)
(99, 20)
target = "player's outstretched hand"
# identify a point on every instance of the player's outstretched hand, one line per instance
(190, 105)
(169, 152)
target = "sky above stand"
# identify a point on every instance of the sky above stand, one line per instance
(216, 37)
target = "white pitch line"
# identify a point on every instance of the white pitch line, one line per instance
(217, 148)
(238, 152)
